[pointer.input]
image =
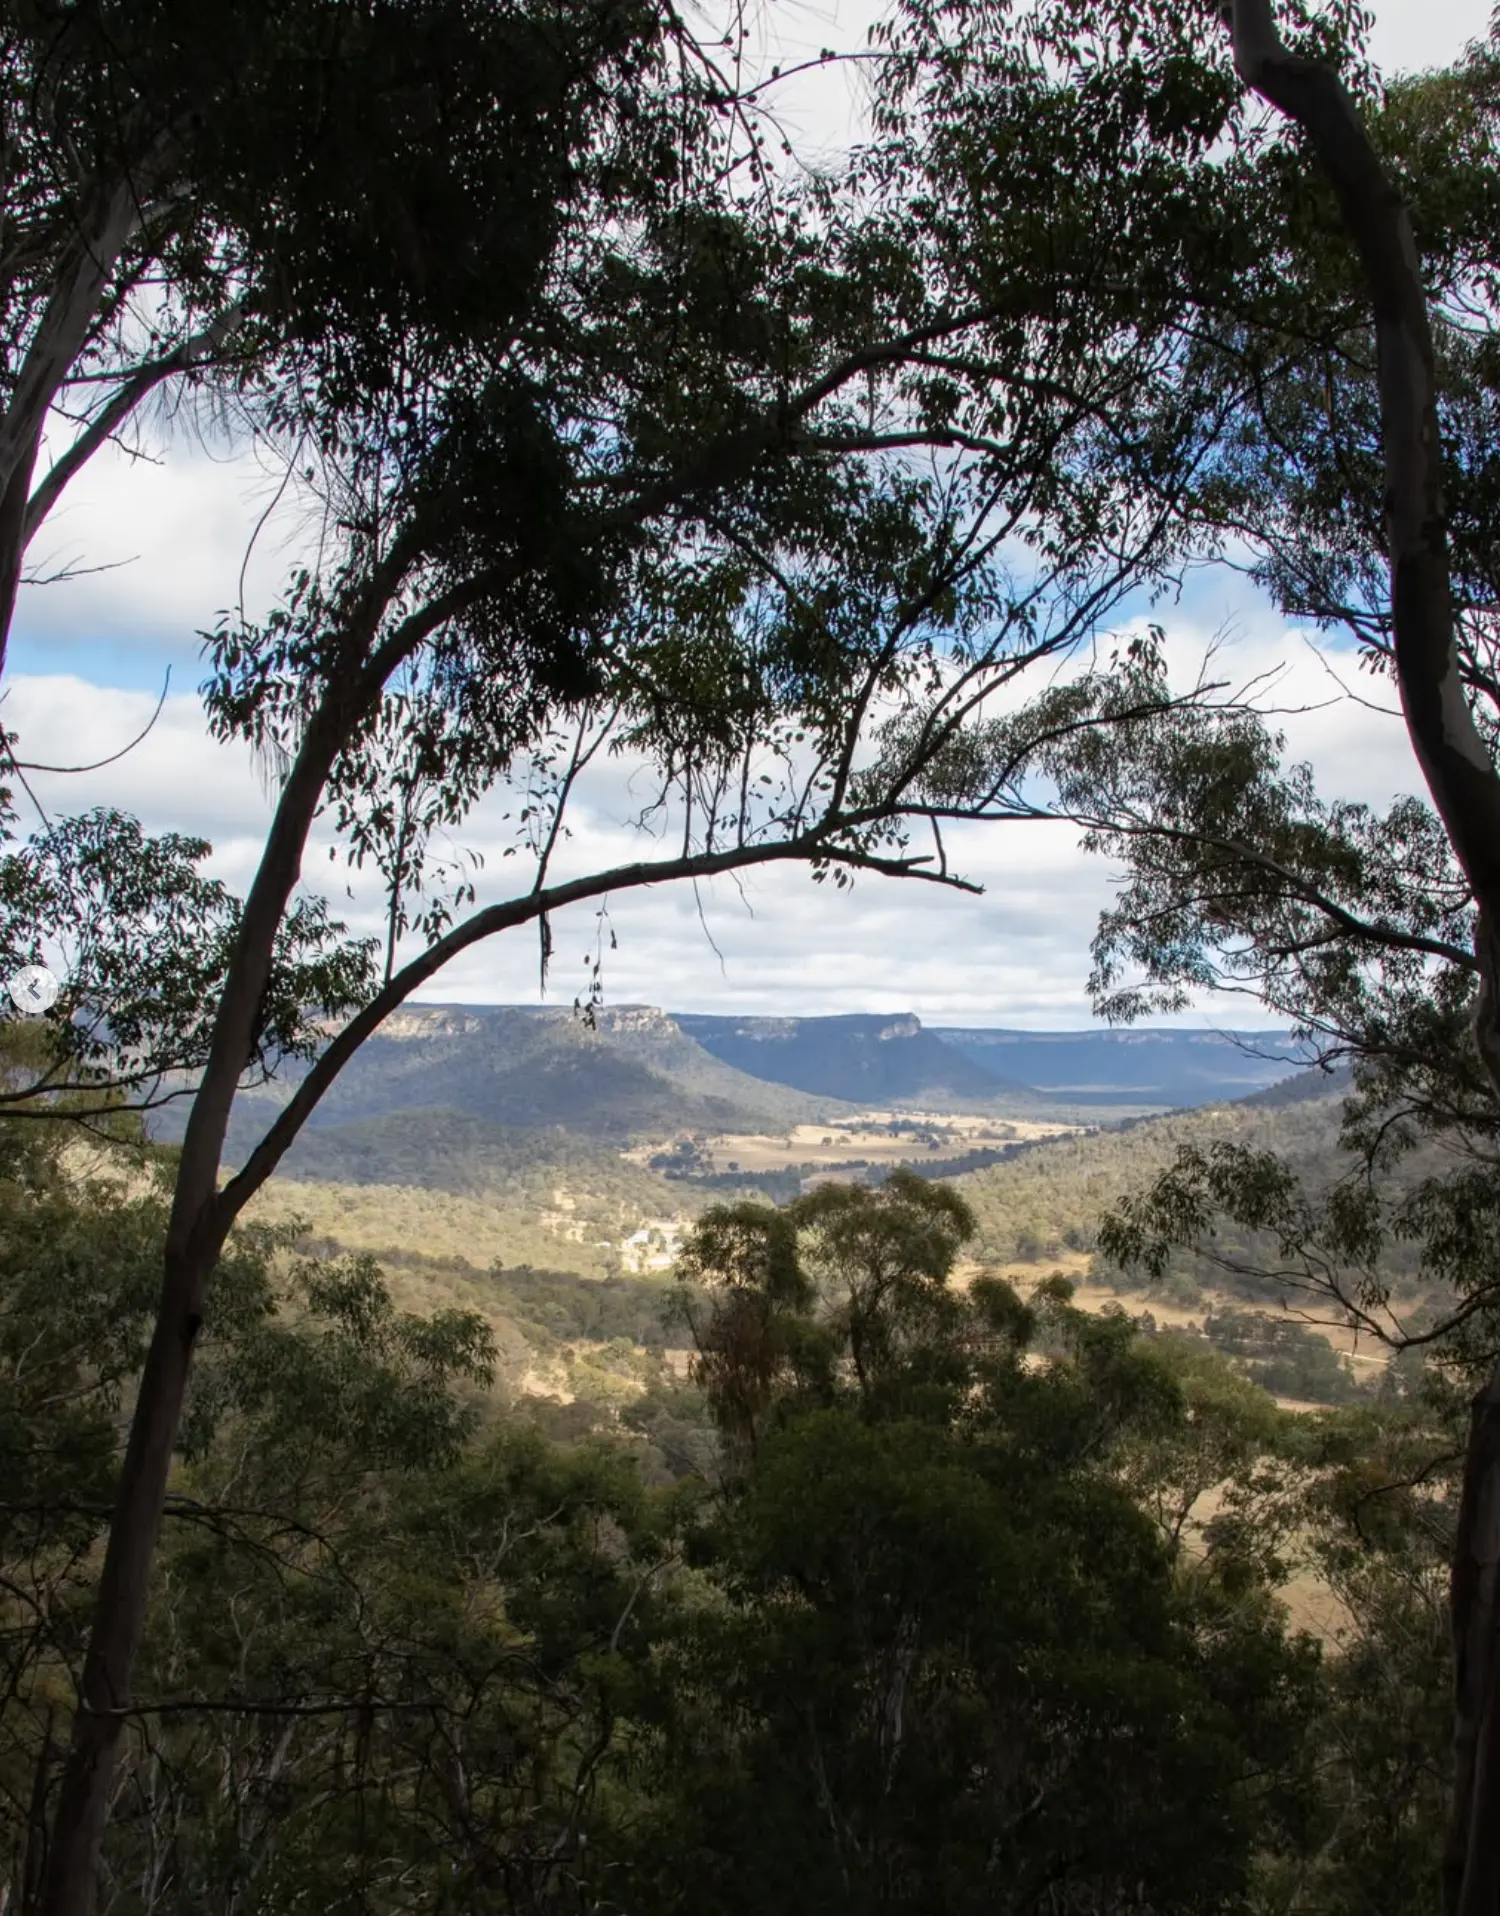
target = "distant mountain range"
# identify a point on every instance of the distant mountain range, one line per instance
(898, 1060)
(635, 1074)
(1171, 1068)
(863, 1060)
(476, 1077)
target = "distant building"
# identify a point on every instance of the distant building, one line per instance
(655, 1247)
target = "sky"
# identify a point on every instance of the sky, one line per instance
(90, 656)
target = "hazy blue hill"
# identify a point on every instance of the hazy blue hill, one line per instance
(865, 1060)
(898, 1060)
(1172, 1068)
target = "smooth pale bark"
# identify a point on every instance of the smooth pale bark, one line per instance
(87, 278)
(108, 222)
(82, 275)
(13, 503)
(1466, 793)
(120, 1607)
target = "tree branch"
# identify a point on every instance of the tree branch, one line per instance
(190, 353)
(504, 917)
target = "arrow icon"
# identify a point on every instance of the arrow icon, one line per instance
(33, 990)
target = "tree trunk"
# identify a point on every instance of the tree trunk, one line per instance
(13, 501)
(1465, 790)
(121, 1603)
(1471, 1862)
(34, 1857)
(108, 221)
(195, 1237)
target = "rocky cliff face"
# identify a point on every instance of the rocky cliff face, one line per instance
(431, 1021)
(457, 1021)
(634, 1018)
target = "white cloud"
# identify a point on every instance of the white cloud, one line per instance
(1331, 712)
(159, 547)
(1412, 35)
(178, 778)
(775, 941)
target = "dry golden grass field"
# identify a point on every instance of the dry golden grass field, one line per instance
(870, 1140)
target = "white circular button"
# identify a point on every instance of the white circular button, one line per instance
(33, 990)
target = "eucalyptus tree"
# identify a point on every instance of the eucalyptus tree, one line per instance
(1438, 643)
(754, 478)
(1445, 703)
(196, 201)
(1319, 251)
(1352, 329)
(368, 1661)
(950, 1658)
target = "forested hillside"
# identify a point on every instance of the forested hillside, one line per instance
(638, 1073)
(630, 1074)
(373, 1558)
(1049, 1198)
